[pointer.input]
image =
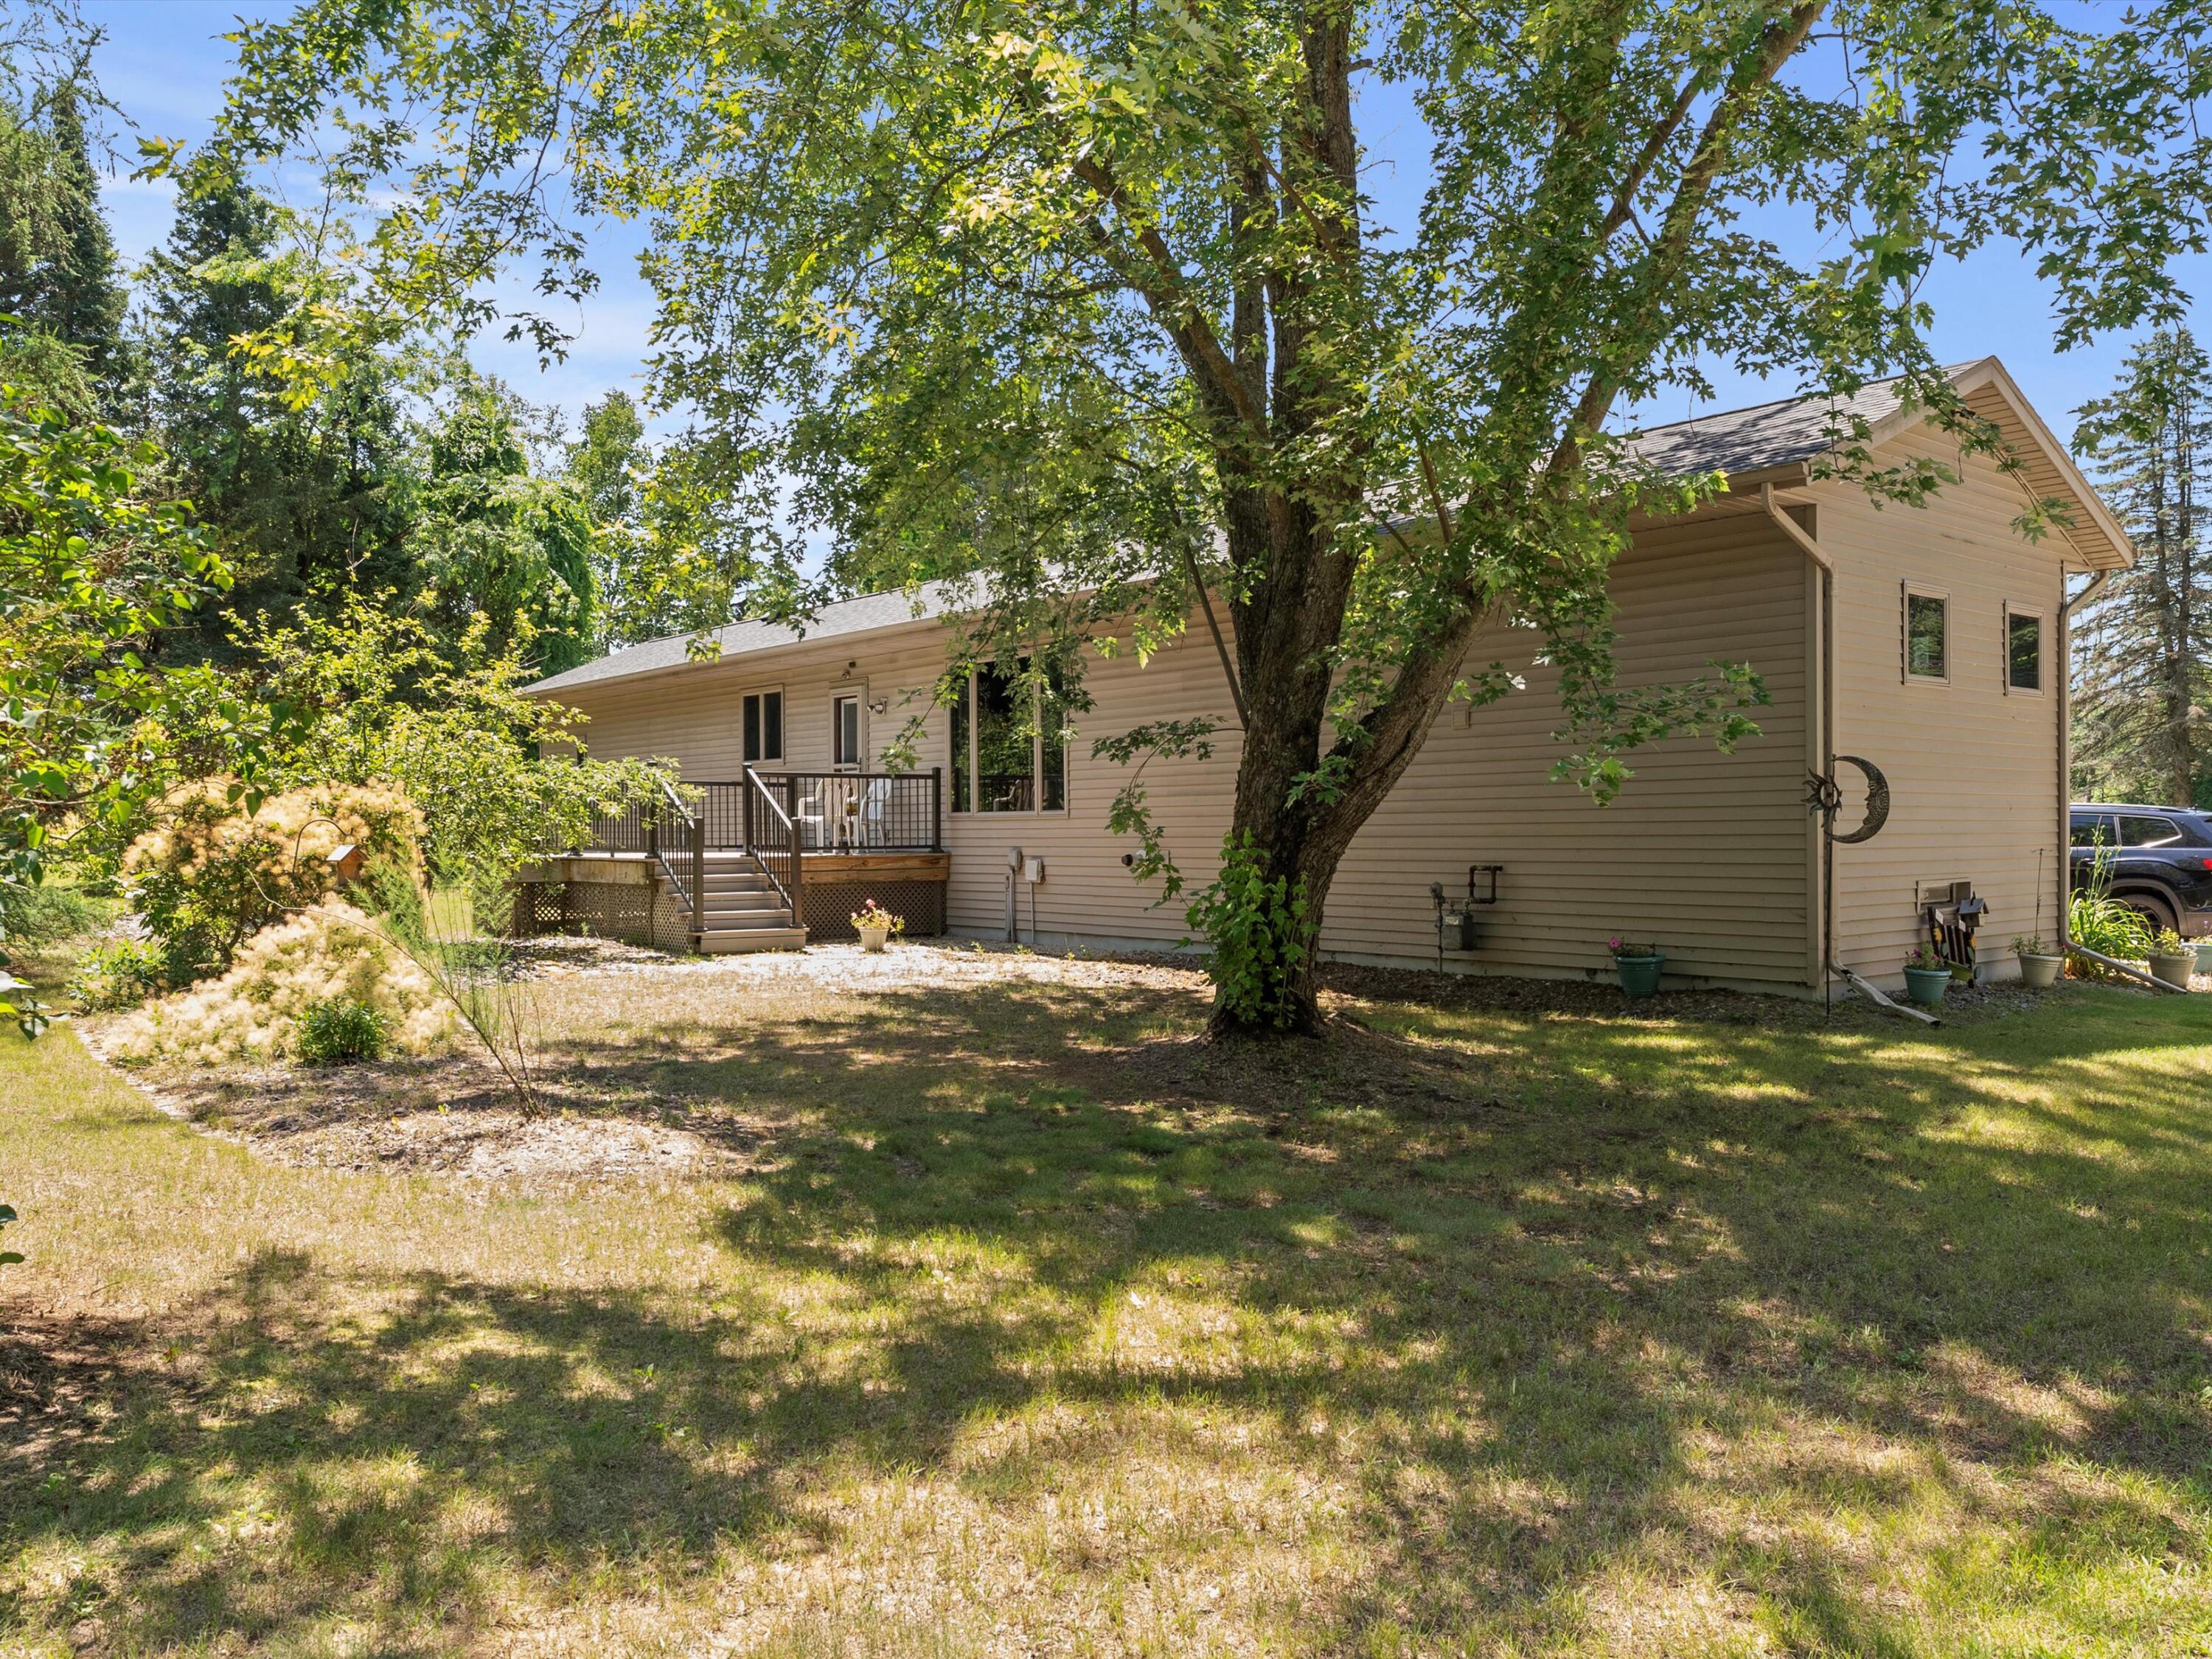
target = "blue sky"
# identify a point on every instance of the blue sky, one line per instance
(165, 64)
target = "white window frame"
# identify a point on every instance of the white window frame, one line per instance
(856, 693)
(783, 724)
(965, 764)
(2042, 650)
(1908, 591)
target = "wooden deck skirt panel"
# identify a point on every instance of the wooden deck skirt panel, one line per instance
(614, 894)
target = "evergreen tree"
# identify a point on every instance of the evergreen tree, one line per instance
(307, 502)
(57, 266)
(80, 298)
(2144, 676)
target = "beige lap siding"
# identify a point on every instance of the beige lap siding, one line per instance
(1972, 768)
(1702, 854)
(1086, 891)
(694, 714)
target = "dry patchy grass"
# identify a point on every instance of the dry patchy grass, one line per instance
(1008, 1319)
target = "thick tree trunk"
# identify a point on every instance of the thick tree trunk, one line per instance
(1285, 630)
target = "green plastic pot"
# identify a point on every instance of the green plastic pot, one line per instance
(1926, 986)
(2204, 956)
(1639, 975)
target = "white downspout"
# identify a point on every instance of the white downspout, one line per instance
(1826, 643)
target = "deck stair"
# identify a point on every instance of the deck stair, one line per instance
(740, 908)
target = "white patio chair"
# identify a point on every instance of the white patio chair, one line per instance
(873, 799)
(813, 819)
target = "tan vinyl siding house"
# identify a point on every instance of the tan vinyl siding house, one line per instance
(1715, 858)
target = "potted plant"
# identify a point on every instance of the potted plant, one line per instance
(2040, 964)
(1927, 977)
(2172, 958)
(876, 925)
(1638, 966)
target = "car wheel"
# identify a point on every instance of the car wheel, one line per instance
(2157, 912)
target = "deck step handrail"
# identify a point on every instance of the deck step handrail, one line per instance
(771, 835)
(687, 871)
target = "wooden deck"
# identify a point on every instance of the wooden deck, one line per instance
(630, 895)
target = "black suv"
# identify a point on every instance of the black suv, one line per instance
(2161, 861)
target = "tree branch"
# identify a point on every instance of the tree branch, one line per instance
(1780, 41)
(1164, 294)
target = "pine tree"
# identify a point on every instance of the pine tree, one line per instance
(82, 297)
(57, 265)
(307, 502)
(2144, 676)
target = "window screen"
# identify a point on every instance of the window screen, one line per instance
(1005, 776)
(1927, 637)
(963, 794)
(2023, 651)
(1010, 742)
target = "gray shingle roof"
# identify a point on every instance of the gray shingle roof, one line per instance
(861, 615)
(1789, 429)
(1732, 442)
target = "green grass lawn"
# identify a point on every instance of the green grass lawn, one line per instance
(1023, 1328)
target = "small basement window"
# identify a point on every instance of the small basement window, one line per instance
(1926, 636)
(2023, 650)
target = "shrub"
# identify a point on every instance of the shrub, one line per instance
(2095, 921)
(213, 874)
(331, 953)
(339, 1030)
(42, 915)
(119, 974)
(491, 769)
(1258, 930)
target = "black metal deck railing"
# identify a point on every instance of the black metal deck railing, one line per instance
(829, 812)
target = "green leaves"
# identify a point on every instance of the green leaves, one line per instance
(90, 571)
(1091, 302)
(1260, 934)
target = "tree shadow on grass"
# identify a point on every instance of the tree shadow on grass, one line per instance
(1600, 1252)
(1574, 1303)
